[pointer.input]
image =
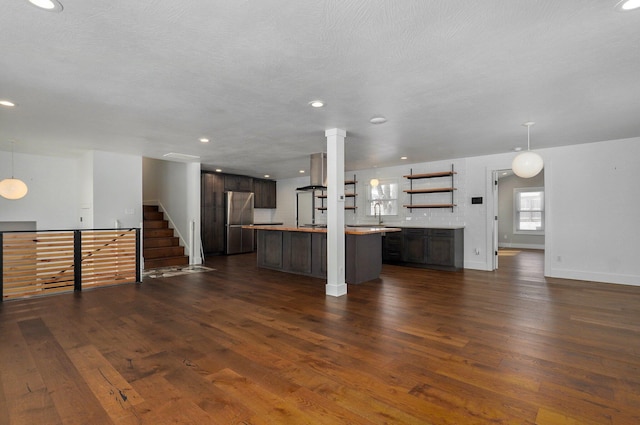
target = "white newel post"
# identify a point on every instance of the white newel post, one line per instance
(336, 285)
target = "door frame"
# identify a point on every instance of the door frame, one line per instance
(492, 234)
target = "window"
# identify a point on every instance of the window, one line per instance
(383, 198)
(529, 210)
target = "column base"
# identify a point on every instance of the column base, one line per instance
(336, 290)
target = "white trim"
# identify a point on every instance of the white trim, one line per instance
(619, 279)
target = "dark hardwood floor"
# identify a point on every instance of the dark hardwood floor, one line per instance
(245, 346)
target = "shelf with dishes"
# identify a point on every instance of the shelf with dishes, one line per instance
(430, 190)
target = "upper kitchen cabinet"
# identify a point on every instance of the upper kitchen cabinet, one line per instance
(265, 193)
(235, 183)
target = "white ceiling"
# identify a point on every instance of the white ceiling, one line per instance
(453, 78)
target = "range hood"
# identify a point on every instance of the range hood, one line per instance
(317, 172)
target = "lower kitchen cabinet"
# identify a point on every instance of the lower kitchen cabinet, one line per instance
(293, 252)
(445, 248)
(269, 249)
(392, 247)
(305, 253)
(425, 247)
(414, 246)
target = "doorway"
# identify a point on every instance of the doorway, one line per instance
(519, 223)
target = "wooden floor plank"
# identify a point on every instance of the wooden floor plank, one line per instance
(249, 346)
(70, 393)
(25, 395)
(113, 392)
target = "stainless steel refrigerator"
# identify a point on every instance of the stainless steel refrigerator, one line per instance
(238, 212)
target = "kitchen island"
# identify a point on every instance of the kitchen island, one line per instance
(303, 250)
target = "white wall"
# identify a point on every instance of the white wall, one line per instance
(54, 187)
(98, 187)
(117, 190)
(591, 200)
(286, 199)
(175, 186)
(594, 210)
(85, 182)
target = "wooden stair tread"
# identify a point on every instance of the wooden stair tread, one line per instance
(154, 263)
(161, 248)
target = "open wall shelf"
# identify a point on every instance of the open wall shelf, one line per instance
(348, 195)
(425, 191)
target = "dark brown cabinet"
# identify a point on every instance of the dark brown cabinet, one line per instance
(414, 245)
(236, 183)
(305, 253)
(441, 246)
(213, 187)
(212, 213)
(265, 193)
(425, 247)
(270, 249)
(392, 247)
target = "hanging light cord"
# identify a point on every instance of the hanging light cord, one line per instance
(528, 137)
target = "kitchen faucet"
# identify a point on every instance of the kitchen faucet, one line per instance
(377, 211)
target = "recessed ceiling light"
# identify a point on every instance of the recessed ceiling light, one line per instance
(627, 5)
(218, 170)
(518, 149)
(266, 176)
(316, 103)
(49, 5)
(403, 157)
(378, 119)
(204, 140)
(7, 103)
(301, 171)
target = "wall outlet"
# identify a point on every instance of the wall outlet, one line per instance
(477, 251)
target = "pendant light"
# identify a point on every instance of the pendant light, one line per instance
(527, 164)
(12, 188)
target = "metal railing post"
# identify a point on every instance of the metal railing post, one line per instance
(1, 268)
(77, 260)
(138, 274)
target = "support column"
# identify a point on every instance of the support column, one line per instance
(336, 285)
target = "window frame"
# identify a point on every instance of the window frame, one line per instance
(371, 201)
(516, 211)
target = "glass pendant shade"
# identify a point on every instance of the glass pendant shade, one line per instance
(13, 188)
(527, 164)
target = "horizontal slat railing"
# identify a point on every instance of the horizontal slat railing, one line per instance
(108, 257)
(49, 262)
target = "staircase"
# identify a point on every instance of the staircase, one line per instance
(160, 248)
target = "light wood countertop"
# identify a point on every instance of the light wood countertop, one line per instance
(347, 230)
